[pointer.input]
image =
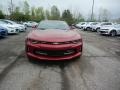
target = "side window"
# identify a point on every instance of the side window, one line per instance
(82, 23)
(108, 23)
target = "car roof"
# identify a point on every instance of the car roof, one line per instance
(53, 21)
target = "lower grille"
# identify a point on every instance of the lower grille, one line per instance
(54, 53)
(102, 31)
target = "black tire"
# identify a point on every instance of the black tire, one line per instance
(93, 30)
(97, 29)
(84, 29)
(30, 60)
(113, 33)
(88, 29)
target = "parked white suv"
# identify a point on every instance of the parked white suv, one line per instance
(99, 25)
(89, 25)
(81, 25)
(112, 30)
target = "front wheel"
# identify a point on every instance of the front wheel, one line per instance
(113, 33)
(88, 28)
(97, 29)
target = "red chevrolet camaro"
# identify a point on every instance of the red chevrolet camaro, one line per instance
(53, 40)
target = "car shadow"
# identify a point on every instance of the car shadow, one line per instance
(2, 38)
(45, 63)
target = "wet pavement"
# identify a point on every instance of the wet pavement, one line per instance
(97, 69)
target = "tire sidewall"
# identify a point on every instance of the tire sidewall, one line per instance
(113, 33)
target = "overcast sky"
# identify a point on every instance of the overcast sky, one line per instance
(82, 6)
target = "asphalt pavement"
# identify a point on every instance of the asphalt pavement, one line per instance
(97, 69)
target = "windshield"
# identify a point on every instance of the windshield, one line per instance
(82, 23)
(9, 22)
(94, 23)
(1, 22)
(106, 24)
(53, 25)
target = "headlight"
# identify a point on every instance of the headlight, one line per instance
(37, 42)
(71, 42)
(77, 41)
(53, 43)
(32, 41)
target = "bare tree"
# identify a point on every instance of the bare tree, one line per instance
(55, 13)
(104, 15)
(26, 8)
(11, 7)
(93, 17)
(78, 17)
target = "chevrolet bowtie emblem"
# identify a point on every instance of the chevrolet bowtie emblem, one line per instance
(55, 43)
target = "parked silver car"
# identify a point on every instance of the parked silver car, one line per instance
(99, 25)
(81, 25)
(111, 30)
(89, 25)
(30, 24)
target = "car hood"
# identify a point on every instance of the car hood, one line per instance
(107, 27)
(6, 25)
(19, 25)
(54, 35)
(16, 25)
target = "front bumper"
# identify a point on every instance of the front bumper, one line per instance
(104, 32)
(22, 29)
(13, 31)
(53, 52)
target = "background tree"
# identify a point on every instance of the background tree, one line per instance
(17, 15)
(78, 17)
(47, 15)
(26, 10)
(2, 16)
(104, 15)
(55, 13)
(68, 17)
(93, 19)
(39, 14)
(11, 7)
(32, 13)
